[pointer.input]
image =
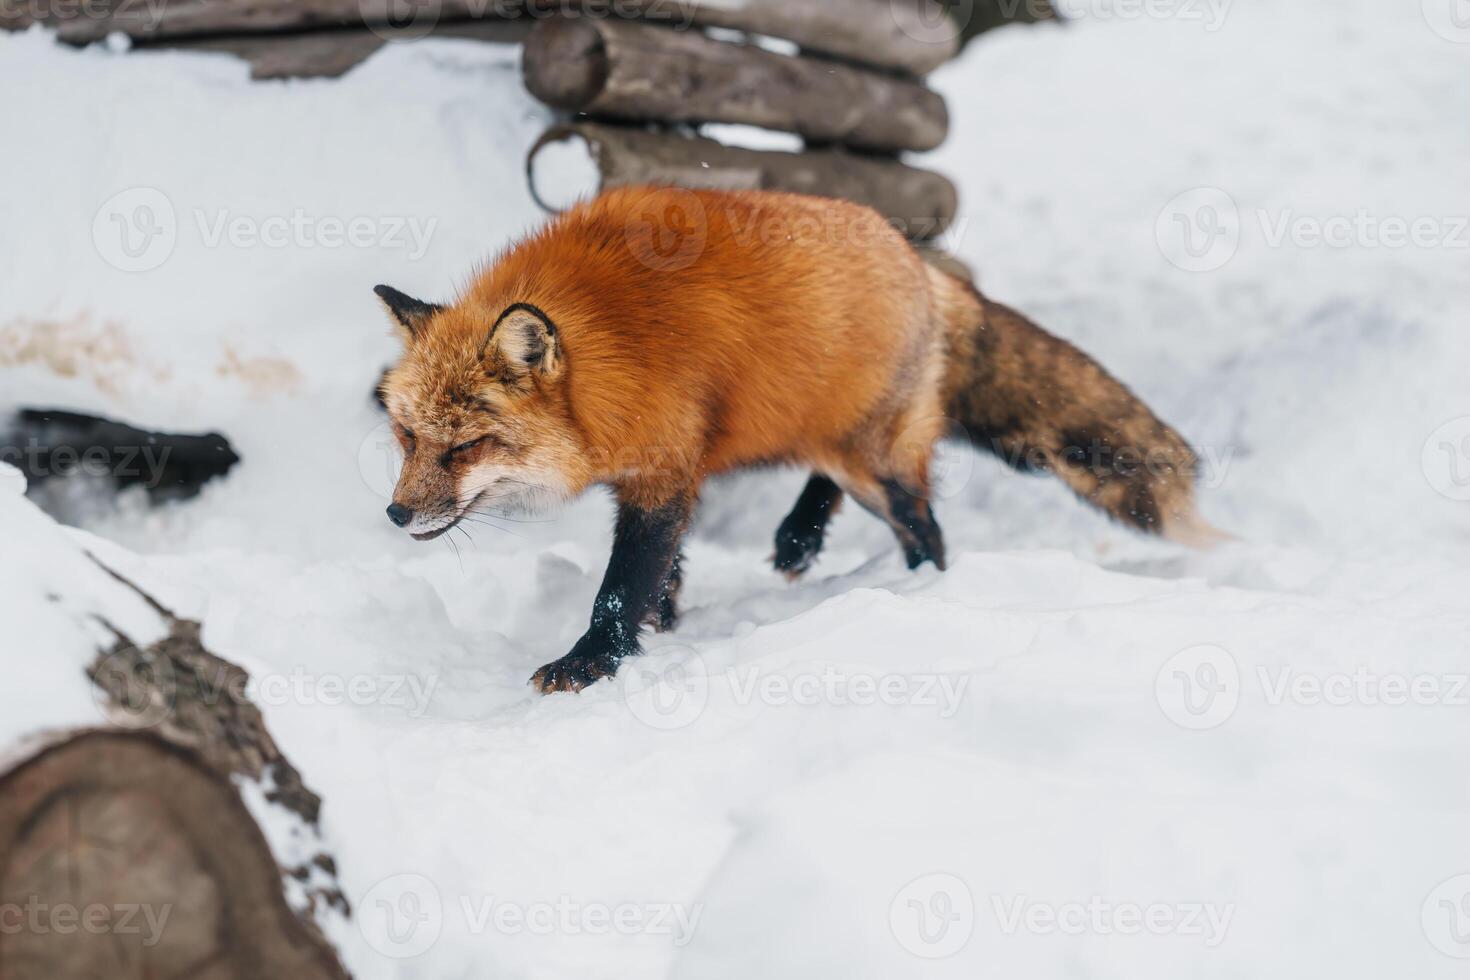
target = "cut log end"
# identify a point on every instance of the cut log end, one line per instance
(562, 170)
(127, 856)
(565, 63)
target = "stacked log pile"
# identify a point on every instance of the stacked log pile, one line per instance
(636, 78)
(911, 37)
(847, 80)
(847, 83)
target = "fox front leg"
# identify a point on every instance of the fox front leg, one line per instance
(799, 538)
(645, 548)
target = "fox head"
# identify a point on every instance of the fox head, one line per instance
(479, 407)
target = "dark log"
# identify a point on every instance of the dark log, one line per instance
(49, 444)
(81, 23)
(911, 36)
(919, 202)
(330, 53)
(631, 71)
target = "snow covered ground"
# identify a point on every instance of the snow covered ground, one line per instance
(1076, 754)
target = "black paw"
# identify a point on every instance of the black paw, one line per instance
(917, 555)
(798, 543)
(590, 660)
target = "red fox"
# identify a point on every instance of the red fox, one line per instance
(775, 329)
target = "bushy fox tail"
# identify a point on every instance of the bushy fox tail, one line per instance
(1042, 405)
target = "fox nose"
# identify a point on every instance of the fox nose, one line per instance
(399, 515)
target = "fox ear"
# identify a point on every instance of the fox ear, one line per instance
(523, 342)
(411, 314)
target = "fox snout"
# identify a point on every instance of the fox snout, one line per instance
(426, 520)
(423, 524)
(425, 502)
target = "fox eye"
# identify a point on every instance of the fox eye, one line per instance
(463, 448)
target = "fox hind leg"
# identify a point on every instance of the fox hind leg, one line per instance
(908, 512)
(912, 519)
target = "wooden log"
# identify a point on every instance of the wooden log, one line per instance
(625, 70)
(318, 54)
(48, 444)
(82, 23)
(578, 160)
(126, 849)
(910, 36)
(330, 53)
(154, 860)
